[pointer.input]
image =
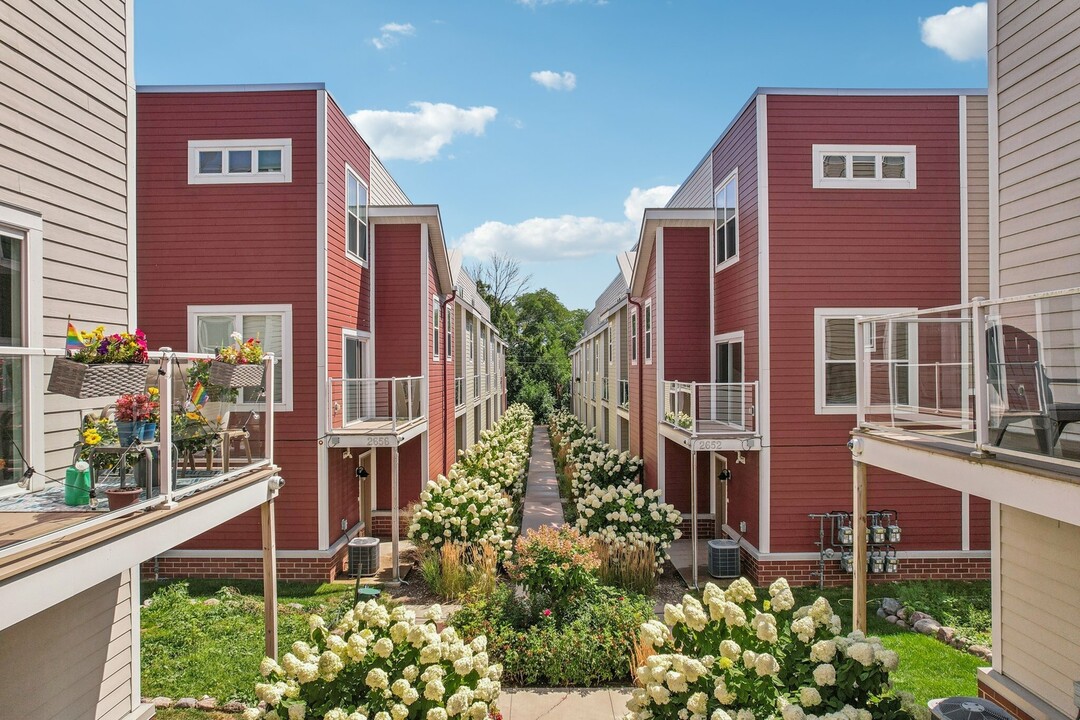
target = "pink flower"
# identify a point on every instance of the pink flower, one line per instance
(547, 612)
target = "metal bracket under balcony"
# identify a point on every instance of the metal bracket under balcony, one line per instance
(375, 412)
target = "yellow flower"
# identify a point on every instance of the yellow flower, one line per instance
(91, 436)
(153, 392)
(194, 416)
(725, 663)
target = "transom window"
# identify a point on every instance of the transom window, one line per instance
(881, 167)
(356, 217)
(239, 161)
(211, 328)
(726, 202)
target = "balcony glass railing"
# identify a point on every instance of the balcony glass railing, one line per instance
(711, 408)
(374, 405)
(991, 376)
(69, 462)
(624, 393)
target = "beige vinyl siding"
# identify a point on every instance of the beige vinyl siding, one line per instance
(72, 660)
(1040, 608)
(978, 198)
(697, 190)
(1038, 75)
(384, 190)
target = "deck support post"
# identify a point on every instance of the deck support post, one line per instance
(693, 518)
(395, 530)
(269, 577)
(859, 559)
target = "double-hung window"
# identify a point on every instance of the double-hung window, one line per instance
(726, 203)
(436, 328)
(356, 217)
(211, 327)
(648, 332)
(836, 367)
(633, 337)
(866, 167)
(222, 162)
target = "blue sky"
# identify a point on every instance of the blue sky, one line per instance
(532, 122)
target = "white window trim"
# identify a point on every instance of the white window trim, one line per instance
(647, 329)
(610, 343)
(253, 177)
(908, 182)
(823, 314)
(194, 311)
(718, 266)
(436, 327)
(369, 359)
(632, 331)
(362, 262)
(737, 336)
(449, 334)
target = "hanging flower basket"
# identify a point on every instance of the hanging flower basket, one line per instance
(82, 380)
(227, 375)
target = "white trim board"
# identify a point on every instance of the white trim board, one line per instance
(764, 320)
(322, 321)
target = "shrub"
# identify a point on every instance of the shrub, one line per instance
(631, 567)
(455, 569)
(727, 659)
(591, 643)
(555, 564)
(378, 664)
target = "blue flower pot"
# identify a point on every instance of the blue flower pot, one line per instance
(147, 431)
(127, 431)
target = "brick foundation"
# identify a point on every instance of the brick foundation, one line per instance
(804, 572)
(995, 697)
(706, 527)
(381, 525)
(311, 569)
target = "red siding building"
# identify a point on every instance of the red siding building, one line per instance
(812, 208)
(263, 211)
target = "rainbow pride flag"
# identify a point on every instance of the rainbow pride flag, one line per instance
(74, 341)
(199, 396)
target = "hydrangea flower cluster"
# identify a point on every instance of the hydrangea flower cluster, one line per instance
(474, 502)
(726, 658)
(612, 505)
(380, 664)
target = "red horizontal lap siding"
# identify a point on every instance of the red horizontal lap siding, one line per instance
(979, 523)
(344, 491)
(399, 340)
(835, 248)
(410, 469)
(236, 245)
(440, 383)
(685, 316)
(643, 440)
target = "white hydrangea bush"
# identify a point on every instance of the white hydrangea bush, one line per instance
(474, 502)
(380, 664)
(729, 658)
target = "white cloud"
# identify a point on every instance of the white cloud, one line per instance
(420, 134)
(554, 80)
(391, 34)
(565, 237)
(635, 203)
(959, 33)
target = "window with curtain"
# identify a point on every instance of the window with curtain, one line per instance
(356, 217)
(12, 409)
(213, 330)
(726, 203)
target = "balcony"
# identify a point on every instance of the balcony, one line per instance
(624, 394)
(459, 391)
(375, 411)
(990, 378)
(212, 452)
(711, 416)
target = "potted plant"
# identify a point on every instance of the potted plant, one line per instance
(134, 411)
(238, 365)
(99, 431)
(98, 365)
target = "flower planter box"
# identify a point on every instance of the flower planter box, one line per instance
(80, 380)
(227, 375)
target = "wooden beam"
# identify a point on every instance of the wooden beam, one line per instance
(859, 560)
(693, 516)
(394, 501)
(270, 578)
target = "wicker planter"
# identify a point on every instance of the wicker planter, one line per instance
(227, 375)
(80, 380)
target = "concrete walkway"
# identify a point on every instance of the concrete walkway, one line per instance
(563, 703)
(542, 504)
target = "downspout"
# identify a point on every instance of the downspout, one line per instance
(446, 301)
(641, 379)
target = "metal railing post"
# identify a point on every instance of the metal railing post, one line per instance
(165, 446)
(978, 349)
(393, 403)
(693, 429)
(268, 423)
(862, 374)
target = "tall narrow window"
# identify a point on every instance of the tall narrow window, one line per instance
(726, 202)
(633, 337)
(356, 219)
(449, 332)
(648, 332)
(610, 343)
(11, 368)
(729, 361)
(358, 392)
(436, 328)
(726, 402)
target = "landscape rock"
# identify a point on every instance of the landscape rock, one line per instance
(959, 643)
(233, 706)
(207, 703)
(945, 634)
(903, 613)
(881, 612)
(211, 602)
(917, 616)
(927, 626)
(980, 651)
(162, 702)
(890, 606)
(185, 703)
(900, 623)
(892, 619)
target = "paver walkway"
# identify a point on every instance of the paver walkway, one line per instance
(563, 703)
(542, 504)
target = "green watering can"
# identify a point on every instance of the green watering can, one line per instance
(77, 484)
